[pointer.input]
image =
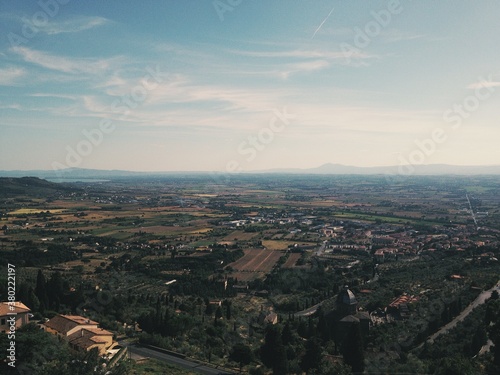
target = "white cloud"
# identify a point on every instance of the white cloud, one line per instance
(56, 25)
(73, 25)
(11, 106)
(65, 64)
(50, 95)
(304, 54)
(9, 76)
(394, 35)
(307, 66)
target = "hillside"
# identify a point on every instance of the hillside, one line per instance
(31, 186)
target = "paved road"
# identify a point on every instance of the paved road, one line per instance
(478, 301)
(471, 211)
(184, 363)
(307, 312)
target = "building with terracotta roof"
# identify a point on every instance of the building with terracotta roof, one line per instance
(81, 333)
(17, 310)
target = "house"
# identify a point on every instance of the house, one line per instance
(271, 318)
(16, 311)
(81, 333)
(383, 240)
(268, 318)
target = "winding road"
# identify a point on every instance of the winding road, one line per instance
(478, 301)
(184, 363)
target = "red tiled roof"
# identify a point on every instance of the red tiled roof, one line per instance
(403, 299)
(19, 308)
(99, 331)
(65, 323)
(80, 319)
(86, 337)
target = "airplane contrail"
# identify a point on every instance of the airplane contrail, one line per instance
(319, 27)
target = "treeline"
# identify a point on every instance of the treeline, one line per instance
(31, 255)
(48, 294)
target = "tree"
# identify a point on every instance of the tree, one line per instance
(494, 295)
(55, 290)
(494, 330)
(242, 354)
(272, 352)
(286, 334)
(455, 366)
(313, 356)
(280, 363)
(352, 349)
(41, 291)
(208, 308)
(27, 295)
(228, 311)
(218, 315)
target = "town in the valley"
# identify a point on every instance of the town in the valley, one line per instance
(266, 273)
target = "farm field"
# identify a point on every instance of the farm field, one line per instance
(292, 260)
(256, 263)
(240, 236)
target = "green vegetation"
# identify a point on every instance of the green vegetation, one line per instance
(205, 270)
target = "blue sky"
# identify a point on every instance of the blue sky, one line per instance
(248, 85)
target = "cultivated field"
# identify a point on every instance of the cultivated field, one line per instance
(292, 260)
(240, 236)
(256, 263)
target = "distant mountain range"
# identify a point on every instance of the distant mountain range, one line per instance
(429, 169)
(325, 169)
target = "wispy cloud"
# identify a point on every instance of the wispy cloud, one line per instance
(303, 53)
(57, 25)
(10, 75)
(307, 66)
(395, 35)
(51, 95)
(74, 25)
(64, 64)
(11, 106)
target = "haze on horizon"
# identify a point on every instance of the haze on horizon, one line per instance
(251, 85)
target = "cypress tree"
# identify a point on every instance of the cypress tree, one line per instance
(41, 291)
(313, 356)
(352, 349)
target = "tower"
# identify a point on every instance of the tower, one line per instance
(346, 302)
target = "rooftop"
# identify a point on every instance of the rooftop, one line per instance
(17, 307)
(65, 323)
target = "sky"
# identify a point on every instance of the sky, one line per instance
(240, 85)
